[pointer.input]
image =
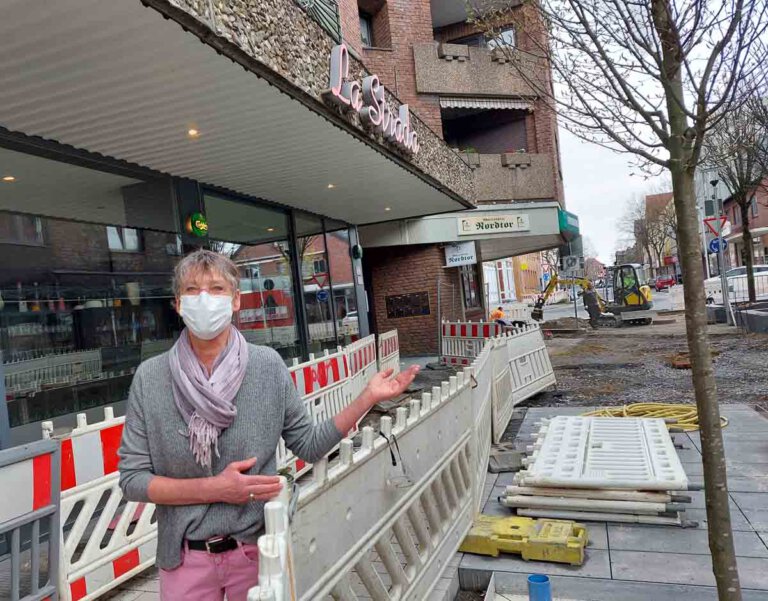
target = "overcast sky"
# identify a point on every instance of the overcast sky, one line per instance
(598, 187)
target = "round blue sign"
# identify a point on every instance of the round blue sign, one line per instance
(714, 245)
(322, 296)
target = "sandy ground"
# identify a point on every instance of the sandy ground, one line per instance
(632, 364)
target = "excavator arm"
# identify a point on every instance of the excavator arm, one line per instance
(584, 283)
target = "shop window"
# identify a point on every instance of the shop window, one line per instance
(475, 40)
(366, 29)
(21, 229)
(316, 283)
(470, 287)
(255, 237)
(343, 284)
(124, 239)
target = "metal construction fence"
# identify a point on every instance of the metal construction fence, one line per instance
(29, 521)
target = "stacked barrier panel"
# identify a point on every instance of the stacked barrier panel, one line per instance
(389, 351)
(530, 367)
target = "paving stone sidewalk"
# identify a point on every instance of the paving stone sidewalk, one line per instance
(637, 562)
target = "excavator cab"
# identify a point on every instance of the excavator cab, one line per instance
(631, 291)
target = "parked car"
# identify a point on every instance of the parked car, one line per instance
(349, 324)
(663, 282)
(737, 285)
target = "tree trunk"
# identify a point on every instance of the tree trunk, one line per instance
(749, 251)
(713, 453)
(705, 388)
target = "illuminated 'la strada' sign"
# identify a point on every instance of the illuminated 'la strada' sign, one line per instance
(367, 100)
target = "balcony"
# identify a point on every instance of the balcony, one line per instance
(454, 69)
(512, 176)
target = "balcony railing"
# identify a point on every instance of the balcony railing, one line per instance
(326, 13)
(454, 69)
(512, 176)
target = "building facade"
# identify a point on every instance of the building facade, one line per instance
(134, 132)
(463, 85)
(758, 225)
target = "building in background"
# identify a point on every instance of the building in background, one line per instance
(453, 77)
(758, 226)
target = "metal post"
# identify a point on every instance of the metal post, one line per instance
(704, 249)
(5, 424)
(439, 322)
(723, 277)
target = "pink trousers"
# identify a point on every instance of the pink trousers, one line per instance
(208, 577)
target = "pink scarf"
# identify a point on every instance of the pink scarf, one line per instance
(207, 404)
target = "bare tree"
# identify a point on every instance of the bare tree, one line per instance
(738, 150)
(651, 78)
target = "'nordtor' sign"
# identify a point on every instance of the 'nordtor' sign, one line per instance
(367, 99)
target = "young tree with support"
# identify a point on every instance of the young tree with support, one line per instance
(737, 150)
(651, 78)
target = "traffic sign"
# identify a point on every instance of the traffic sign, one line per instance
(322, 296)
(714, 245)
(715, 224)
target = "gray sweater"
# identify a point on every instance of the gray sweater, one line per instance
(153, 443)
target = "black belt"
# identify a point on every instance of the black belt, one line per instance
(218, 544)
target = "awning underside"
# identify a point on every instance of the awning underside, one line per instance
(116, 78)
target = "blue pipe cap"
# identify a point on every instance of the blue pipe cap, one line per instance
(539, 588)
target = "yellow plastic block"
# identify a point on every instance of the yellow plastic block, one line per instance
(560, 541)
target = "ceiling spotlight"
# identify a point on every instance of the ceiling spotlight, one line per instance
(9, 179)
(331, 186)
(270, 229)
(387, 208)
(193, 133)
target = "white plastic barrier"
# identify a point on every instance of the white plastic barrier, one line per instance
(323, 386)
(401, 524)
(389, 351)
(361, 357)
(482, 380)
(463, 341)
(103, 543)
(523, 369)
(517, 312)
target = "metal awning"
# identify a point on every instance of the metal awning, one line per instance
(117, 79)
(451, 102)
(539, 229)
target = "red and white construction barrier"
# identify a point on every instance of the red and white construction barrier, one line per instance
(361, 357)
(105, 544)
(389, 351)
(462, 341)
(29, 484)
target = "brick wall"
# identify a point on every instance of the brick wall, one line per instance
(402, 23)
(350, 25)
(408, 269)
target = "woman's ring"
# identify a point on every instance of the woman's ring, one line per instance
(252, 496)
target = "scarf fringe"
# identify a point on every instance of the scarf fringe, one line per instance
(203, 438)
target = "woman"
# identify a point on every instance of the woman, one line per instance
(202, 425)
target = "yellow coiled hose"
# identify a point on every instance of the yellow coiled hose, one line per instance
(679, 417)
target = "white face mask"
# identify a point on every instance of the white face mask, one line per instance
(206, 315)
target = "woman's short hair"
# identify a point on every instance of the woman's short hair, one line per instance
(205, 260)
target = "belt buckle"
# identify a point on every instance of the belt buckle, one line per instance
(212, 542)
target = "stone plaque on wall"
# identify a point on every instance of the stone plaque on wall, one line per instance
(414, 304)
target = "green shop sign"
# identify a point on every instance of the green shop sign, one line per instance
(569, 224)
(197, 225)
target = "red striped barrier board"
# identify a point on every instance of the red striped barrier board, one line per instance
(317, 375)
(389, 351)
(30, 480)
(91, 505)
(462, 341)
(361, 354)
